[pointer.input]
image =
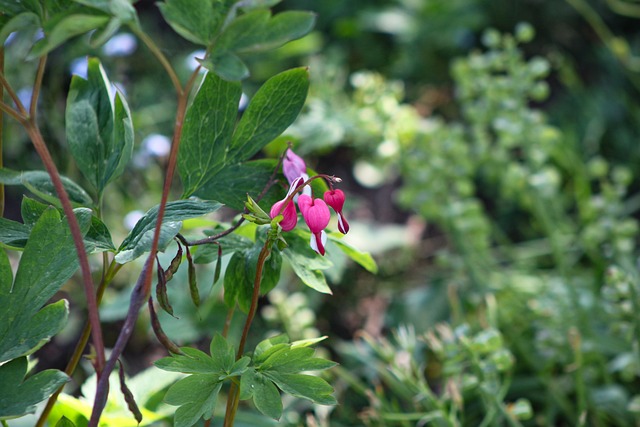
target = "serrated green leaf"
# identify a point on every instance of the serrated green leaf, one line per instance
(66, 28)
(99, 133)
(226, 65)
(271, 111)
(232, 184)
(309, 387)
(18, 397)
(295, 360)
(305, 263)
(257, 30)
(364, 259)
(208, 126)
(49, 260)
(139, 239)
(39, 183)
(196, 21)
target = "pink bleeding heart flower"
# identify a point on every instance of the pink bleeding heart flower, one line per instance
(289, 213)
(335, 199)
(316, 214)
(293, 166)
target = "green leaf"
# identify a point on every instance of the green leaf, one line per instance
(18, 397)
(140, 238)
(257, 31)
(66, 28)
(260, 354)
(222, 354)
(232, 184)
(197, 21)
(205, 254)
(65, 422)
(236, 284)
(39, 183)
(123, 10)
(306, 263)
(273, 108)
(20, 22)
(208, 126)
(364, 259)
(258, 4)
(193, 361)
(309, 387)
(241, 273)
(99, 134)
(226, 65)
(13, 234)
(48, 261)
(266, 396)
(196, 395)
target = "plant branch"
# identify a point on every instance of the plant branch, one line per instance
(148, 41)
(142, 287)
(36, 88)
(234, 395)
(13, 113)
(81, 344)
(12, 94)
(43, 152)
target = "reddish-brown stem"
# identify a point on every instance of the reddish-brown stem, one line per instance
(92, 307)
(4, 83)
(142, 288)
(81, 344)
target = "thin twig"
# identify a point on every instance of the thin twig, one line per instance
(36, 88)
(12, 94)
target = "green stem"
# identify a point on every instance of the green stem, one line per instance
(155, 50)
(234, 392)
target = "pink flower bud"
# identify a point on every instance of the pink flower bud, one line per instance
(293, 165)
(335, 199)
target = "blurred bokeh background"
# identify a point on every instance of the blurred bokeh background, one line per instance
(490, 153)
